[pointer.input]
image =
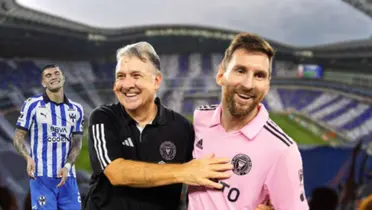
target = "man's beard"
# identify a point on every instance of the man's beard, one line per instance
(236, 110)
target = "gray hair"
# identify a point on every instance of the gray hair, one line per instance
(142, 50)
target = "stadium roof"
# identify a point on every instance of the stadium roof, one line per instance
(13, 9)
(298, 23)
(25, 32)
(364, 6)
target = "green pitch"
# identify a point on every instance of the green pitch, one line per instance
(83, 162)
(298, 133)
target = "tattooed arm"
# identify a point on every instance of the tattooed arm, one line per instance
(19, 142)
(76, 141)
(75, 148)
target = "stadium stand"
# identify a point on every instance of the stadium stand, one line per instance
(183, 75)
(81, 76)
(344, 114)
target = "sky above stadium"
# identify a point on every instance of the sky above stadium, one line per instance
(294, 22)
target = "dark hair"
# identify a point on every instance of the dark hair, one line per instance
(49, 66)
(249, 42)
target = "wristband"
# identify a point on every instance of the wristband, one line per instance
(68, 166)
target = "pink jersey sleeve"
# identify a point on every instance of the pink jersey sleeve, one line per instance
(201, 121)
(285, 182)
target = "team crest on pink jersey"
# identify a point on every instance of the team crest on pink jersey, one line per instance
(242, 164)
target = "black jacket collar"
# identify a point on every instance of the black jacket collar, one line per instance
(160, 118)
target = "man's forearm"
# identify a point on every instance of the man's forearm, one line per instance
(76, 142)
(141, 174)
(19, 142)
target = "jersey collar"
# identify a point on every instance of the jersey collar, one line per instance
(252, 128)
(216, 117)
(47, 99)
(160, 118)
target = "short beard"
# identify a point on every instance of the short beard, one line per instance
(231, 105)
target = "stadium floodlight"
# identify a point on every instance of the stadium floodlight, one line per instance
(304, 53)
(190, 32)
(96, 37)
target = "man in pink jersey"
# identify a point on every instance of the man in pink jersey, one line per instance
(267, 162)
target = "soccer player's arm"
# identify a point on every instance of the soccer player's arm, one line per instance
(285, 182)
(105, 151)
(77, 138)
(23, 125)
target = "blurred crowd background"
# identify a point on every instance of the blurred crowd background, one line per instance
(321, 90)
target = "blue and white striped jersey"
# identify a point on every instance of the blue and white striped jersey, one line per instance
(50, 127)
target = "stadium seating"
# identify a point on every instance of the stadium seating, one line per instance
(184, 76)
(336, 110)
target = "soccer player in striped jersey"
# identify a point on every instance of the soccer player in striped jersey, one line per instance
(267, 163)
(54, 125)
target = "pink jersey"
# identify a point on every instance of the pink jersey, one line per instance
(267, 163)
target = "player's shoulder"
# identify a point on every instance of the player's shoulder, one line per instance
(207, 108)
(33, 99)
(203, 114)
(105, 113)
(106, 109)
(76, 104)
(277, 137)
(175, 117)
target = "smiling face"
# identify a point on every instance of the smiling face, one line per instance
(245, 81)
(136, 82)
(52, 79)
